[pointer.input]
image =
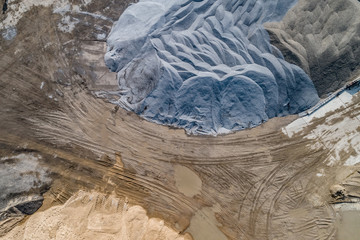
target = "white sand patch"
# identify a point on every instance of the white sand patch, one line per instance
(223, 131)
(94, 15)
(67, 24)
(337, 102)
(340, 136)
(321, 173)
(298, 125)
(101, 36)
(62, 9)
(16, 10)
(345, 97)
(352, 161)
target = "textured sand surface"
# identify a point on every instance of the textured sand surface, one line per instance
(94, 216)
(322, 37)
(254, 184)
(206, 66)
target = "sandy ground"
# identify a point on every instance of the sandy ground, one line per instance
(254, 184)
(94, 216)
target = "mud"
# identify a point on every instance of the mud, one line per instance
(187, 181)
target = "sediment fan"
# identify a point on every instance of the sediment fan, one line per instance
(207, 66)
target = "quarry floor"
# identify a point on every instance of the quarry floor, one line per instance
(256, 184)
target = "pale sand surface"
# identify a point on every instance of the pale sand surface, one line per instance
(94, 216)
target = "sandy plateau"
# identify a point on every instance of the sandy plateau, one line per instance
(102, 172)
